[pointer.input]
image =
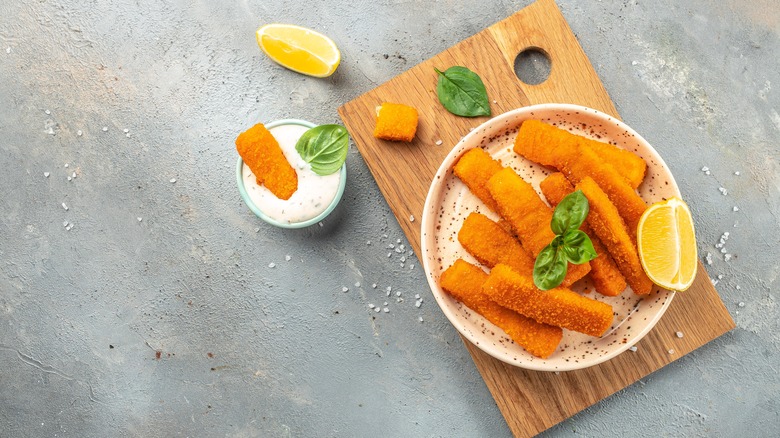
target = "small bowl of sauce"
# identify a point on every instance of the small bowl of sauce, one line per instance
(316, 197)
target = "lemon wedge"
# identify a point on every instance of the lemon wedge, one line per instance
(300, 49)
(667, 244)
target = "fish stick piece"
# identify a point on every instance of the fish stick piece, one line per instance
(629, 204)
(529, 216)
(491, 244)
(396, 122)
(560, 306)
(606, 223)
(605, 274)
(261, 152)
(550, 146)
(475, 168)
(464, 282)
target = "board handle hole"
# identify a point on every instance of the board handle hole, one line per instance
(533, 66)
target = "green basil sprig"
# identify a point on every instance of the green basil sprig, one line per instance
(462, 92)
(324, 147)
(570, 244)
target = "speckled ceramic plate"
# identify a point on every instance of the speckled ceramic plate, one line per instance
(449, 202)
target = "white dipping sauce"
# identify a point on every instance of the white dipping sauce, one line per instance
(314, 194)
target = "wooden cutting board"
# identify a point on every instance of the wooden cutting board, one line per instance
(530, 401)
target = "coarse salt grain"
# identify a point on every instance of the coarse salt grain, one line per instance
(173, 180)
(287, 258)
(105, 128)
(709, 258)
(47, 112)
(46, 174)
(398, 294)
(726, 257)
(79, 132)
(389, 254)
(671, 351)
(633, 348)
(705, 169)
(389, 288)
(386, 310)
(345, 289)
(411, 267)
(420, 319)
(736, 173)
(64, 206)
(69, 178)
(8, 50)
(66, 165)
(418, 304)
(357, 284)
(140, 219)
(397, 240)
(125, 130)
(377, 309)
(65, 224)
(417, 296)
(679, 334)
(272, 265)
(371, 306)
(411, 218)
(368, 242)
(439, 142)
(373, 285)
(74, 174)
(385, 303)
(735, 208)
(741, 304)
(723, 191)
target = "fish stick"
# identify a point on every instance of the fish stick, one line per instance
(606, 276)
(475, 168)
(560, 306)
(529, 216)
(491, 244)
(629, 204)
(606, 223)
(550, 146)
(261, 152)
(464, 282)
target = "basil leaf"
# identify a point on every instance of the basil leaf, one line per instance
(578, 247)
(570, 213)
(462, 92)
(550, 267)
(324, 147)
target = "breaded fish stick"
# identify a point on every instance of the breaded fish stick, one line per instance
(464, 282)
(624, 197)
(559, 306)
(607, 224)
(261, 152)
(606, 276)
(491, 244)
(475, 168)
(549, 145)
(529, 216)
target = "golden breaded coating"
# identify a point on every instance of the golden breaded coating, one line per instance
(551, 146)
(396, 122)
(605, 274)
(464, 282)
(529, 216)
(560, 306)
(491, 244)
(474, 168)
(606, 223)
(261, 152)
(629, 204)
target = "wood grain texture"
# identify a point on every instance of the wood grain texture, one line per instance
(530, 401)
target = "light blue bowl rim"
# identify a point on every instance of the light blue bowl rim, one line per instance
(265, 217)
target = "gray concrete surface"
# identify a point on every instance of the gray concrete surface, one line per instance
(249, 350)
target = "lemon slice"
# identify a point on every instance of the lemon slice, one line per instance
(667, 244)
(300, 49)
